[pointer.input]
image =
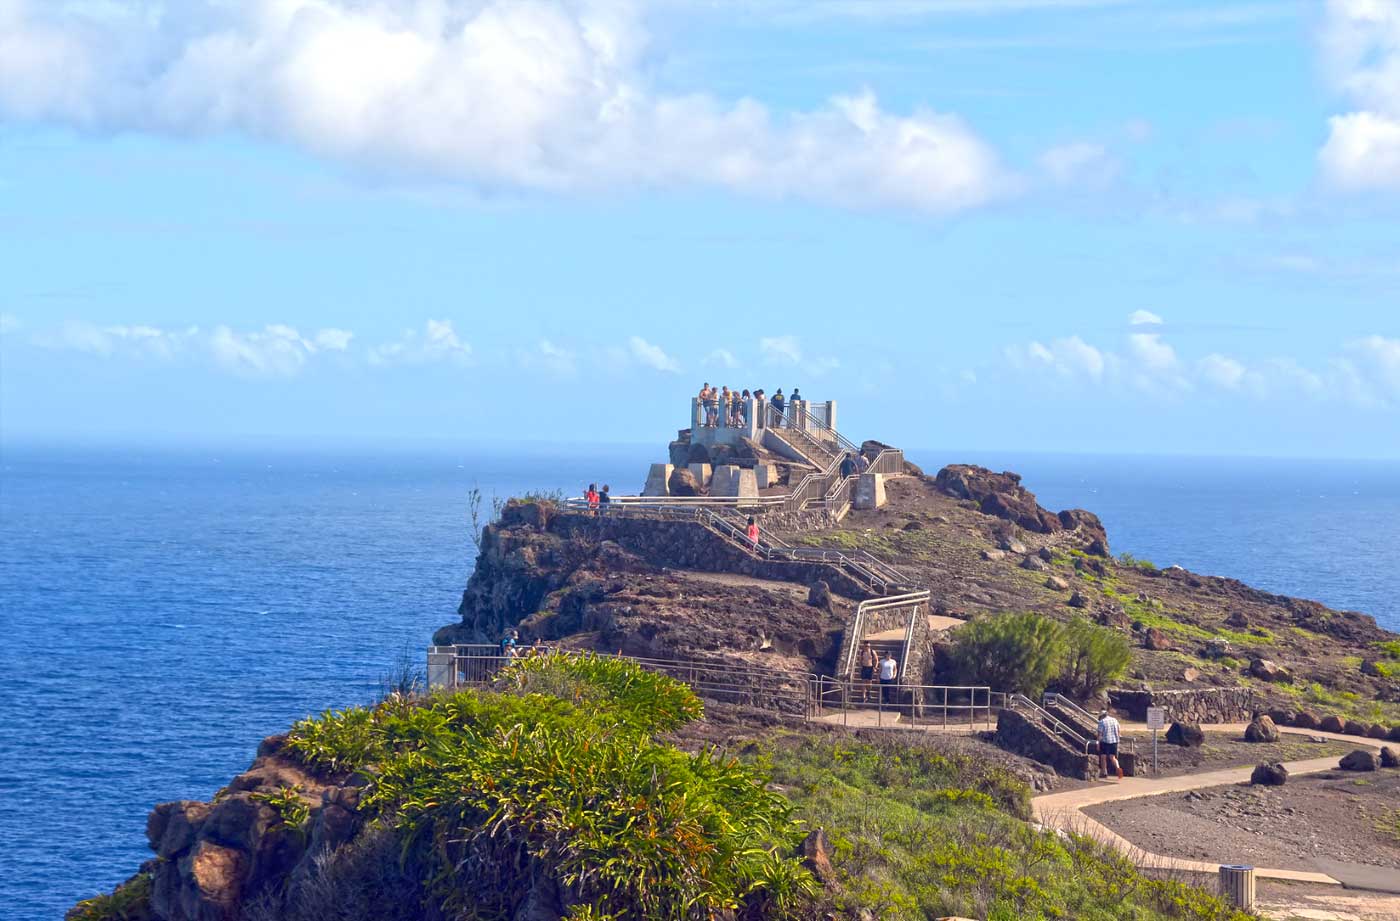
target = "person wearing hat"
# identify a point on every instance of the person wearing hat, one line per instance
(1108, 744)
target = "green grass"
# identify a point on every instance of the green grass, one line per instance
(128, 902)
(1389, 825)
(1390, 649)
(919, 834)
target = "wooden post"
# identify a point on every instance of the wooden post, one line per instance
(1237, 886)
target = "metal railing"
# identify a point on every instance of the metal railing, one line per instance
(863, 611)
(1061, 701)
(915, 706)
(878, 576)
(1049, 721)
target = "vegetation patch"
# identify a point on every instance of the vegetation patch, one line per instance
(1028, 652)
(128, 902)
(557, 776)
(918, 834)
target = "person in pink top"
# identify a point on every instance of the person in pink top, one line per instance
(752, 533)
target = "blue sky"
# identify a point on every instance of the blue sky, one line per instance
(1063, 225)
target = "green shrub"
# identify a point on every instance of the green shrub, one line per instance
(492, 790)
(291, 809)
(1094, 657)
(1127, 559)
(128, 902)
(1390, 649)
(1009, 652)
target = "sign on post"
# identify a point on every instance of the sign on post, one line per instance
(1156, 719)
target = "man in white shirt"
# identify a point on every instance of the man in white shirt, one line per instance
(889, 674)
(1108, 744)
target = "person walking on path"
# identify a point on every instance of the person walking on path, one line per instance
(1108, 744)
(752, 533)
(779, 404)
(889, 674)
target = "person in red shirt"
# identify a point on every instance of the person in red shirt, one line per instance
(752, 533)
(592, 497)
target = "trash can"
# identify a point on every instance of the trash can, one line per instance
(1237, 886)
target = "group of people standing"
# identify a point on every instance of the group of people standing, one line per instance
(733, 405)
(598, 502)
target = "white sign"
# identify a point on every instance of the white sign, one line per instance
(1156, 717)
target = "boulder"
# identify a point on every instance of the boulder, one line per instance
(1011, 545)
(683, 483)
(993, 556)
(1359, 760)
(698, 454)
(1187, 735)
(1389, 758)
(1331, 724)
(1216, 649)
(1089, 528)
(1305, 720)
(1261, 729)
(1369, 667)
(1046, 554)
(1057, 583)
(1033, 563)
(1156, 640)
(1394, 734)
(816, 857)
(1269, 670)
(1282, 717)
(1237, 620)
(1354, 728)
(1190, 674)
(819, 595)
(998, 494)
(1269, 774)
(1078, 600)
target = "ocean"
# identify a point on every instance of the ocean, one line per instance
(164, 610)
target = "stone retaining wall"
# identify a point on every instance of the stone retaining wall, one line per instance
(1207, 705)
(1017, 733)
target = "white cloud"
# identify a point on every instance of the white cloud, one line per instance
(722, 357)
(1361, 45)
(1151, 352)
(651, 355)
(275, 351)
(1080, 164)
(436, 341)
(1144, 318)
(1376, 360)
(1221, 370)
(548, 357)
(138, 340)
(1070, 357)
(781, 350)
(9, 323)
(333, 340)
(531, 95)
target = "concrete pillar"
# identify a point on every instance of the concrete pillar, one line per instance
(701, 472)
(766, 475)
(658, 478)
(697, 415)
(831, 414)
(730, 480)
(870, 491)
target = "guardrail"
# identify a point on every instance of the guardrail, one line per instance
(863, 611)
(1051, 722)
(1061, 700)
(927, 705)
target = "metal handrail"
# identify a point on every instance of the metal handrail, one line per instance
(863, 609)
(812, 422)
(1063, 701)
(1061, 728)
(838, 694)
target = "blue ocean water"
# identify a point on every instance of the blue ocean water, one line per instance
(163, 611)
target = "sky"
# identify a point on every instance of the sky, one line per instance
(1045, 225)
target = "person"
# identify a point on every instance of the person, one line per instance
(724, 402)
(604, 499)
(742, 409)
(889, 674)
(868, 663)
(592, 497)
(1108, 744)
(710, 397)
(862, 463)
(848, 465)
(779, 404)
(508, 644)
(795, 410)
(752, 533)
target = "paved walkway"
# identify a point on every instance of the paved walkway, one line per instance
(1065, 810)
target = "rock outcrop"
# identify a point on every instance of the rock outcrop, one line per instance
(1002, 495)
(1187, 735)
(1261, 729)
(1361, 759)
(1269, 774)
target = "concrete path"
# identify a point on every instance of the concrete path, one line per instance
(1065, 810)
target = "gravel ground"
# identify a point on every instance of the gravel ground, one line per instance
(1337, 816)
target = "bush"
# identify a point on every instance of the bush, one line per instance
(494, 794)
(131, 901)
(1010, 652)
(1094, 657)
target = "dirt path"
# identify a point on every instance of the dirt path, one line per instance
(738, 581)
(1065, 809)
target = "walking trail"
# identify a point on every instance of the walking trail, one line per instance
(1065, 810)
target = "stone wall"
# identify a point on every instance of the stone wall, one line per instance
(812, 519)
(1207, 705)
(1017, 733)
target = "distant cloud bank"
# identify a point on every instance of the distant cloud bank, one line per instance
(1361, 47)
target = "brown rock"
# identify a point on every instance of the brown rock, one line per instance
(1354, 728)
(237, 821)
(1190, 674)
(1331, 724)
(684, 483)
(217, 875)
(1389, 758)
(1237, 619)
(1034, 564)
(1269, 774)
(1156, 640)
(1376, 731)
(1394, 733)
(816, 856)
(994, 556)
(1261, 729)
(1369, 667)
(998, 494)
(1057, 583)
(819, 595)
(1078, 600)
(1269, 670)
(180, 831)
(1359, 760)
(1305, 720)
(1187, 735)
